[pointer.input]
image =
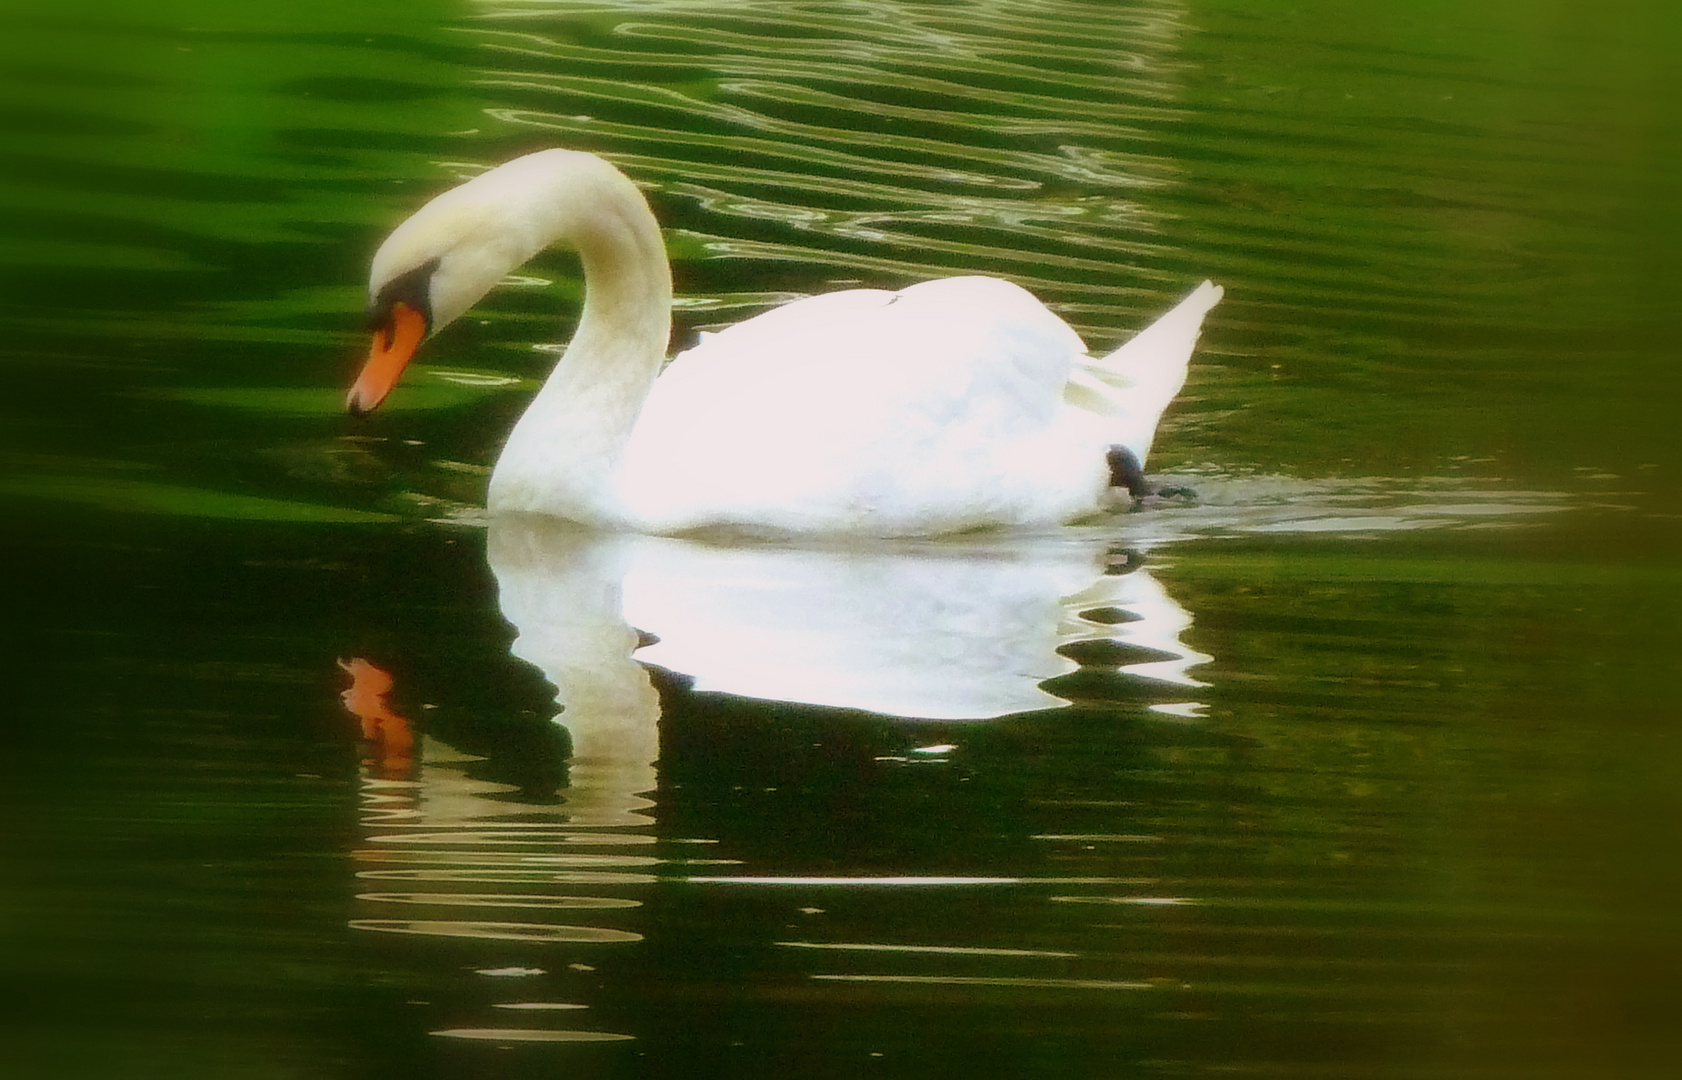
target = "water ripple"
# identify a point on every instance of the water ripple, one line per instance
(493, 931)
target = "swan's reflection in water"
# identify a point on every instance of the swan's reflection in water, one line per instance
(938, 630)
(949, 631)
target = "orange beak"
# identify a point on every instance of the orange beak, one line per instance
(394, 344)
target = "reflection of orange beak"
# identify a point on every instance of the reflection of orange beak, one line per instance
(366, 700)
(393, 346)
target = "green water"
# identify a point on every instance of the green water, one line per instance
(1360, 767)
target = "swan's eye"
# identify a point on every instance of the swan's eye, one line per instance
(412, 289)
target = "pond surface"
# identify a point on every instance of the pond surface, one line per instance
(1359, 767)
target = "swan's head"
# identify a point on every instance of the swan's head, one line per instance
(457, 247)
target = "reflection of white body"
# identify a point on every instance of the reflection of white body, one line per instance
(949, 630)
(952, 632)
(943, 407)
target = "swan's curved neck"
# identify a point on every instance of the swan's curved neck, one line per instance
(563, 455)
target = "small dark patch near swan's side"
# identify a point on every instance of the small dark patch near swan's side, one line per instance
(1125, 471)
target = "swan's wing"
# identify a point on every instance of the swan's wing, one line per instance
(914, 341)
(1132, 386)
(861, 401)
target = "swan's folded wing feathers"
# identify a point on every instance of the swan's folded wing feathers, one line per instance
(874, 403)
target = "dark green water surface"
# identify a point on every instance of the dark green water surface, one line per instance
(1364, 766)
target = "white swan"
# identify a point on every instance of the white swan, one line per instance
(950, 405)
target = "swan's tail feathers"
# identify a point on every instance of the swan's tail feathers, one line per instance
(1132, 386)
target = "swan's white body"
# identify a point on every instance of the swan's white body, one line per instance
(950, 405)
